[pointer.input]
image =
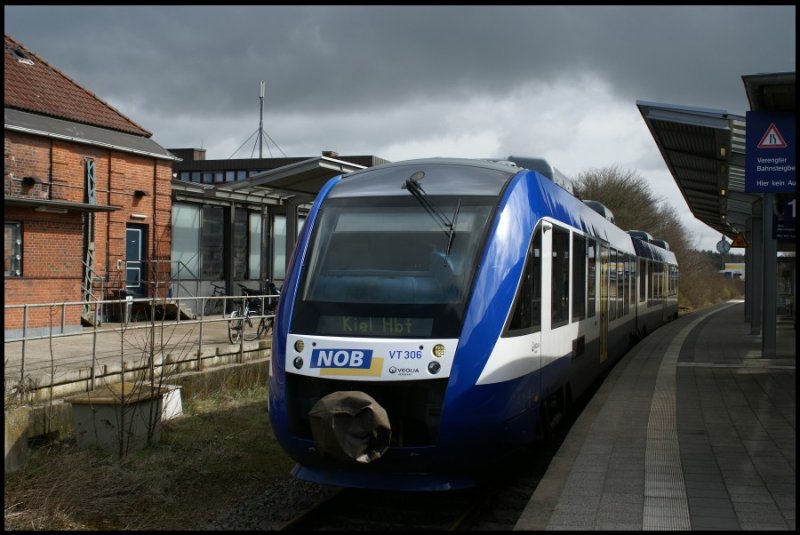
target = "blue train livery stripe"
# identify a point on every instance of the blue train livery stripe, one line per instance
(498, 276)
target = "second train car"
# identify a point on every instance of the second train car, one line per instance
(437, 312)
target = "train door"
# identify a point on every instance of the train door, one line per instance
(523, 336)
(556, 337)
(547, 269)
(604, 282)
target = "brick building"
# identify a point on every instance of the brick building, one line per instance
(87, 199)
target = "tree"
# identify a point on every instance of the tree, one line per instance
(634, 206)
(625, 193)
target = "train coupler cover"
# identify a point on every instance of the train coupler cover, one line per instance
(350, 426)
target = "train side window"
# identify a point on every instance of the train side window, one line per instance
(612, 284)
(674, 280)
(642, 280)
(560, 278)
(591, 287)
(578, 277)
(620, 284)
(527, 314)
(631, 282)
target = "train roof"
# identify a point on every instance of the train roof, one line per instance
(600, 208)
(543, 166)
(654, 252)
(466, 176)
(661, 243)
(436, 176)
(641, 234)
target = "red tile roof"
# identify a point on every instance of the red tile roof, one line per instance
(41, 88)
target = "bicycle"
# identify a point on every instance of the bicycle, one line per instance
(251, 307)
(213, 304)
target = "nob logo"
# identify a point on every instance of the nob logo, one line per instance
(341, 358)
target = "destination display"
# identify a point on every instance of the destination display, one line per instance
(374, 326)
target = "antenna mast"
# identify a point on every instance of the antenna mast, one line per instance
(261, 119)
(262, 136)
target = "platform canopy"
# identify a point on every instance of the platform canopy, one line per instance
(301, 180)
(306, 177)
(704, 150)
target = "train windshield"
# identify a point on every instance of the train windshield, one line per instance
(384, 267)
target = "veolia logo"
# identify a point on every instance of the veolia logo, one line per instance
(341, 358)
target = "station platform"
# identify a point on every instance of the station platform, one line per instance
(692, 430)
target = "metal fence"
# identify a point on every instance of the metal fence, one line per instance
(126, 334)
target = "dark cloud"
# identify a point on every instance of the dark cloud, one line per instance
(210, 59)
(399, 82)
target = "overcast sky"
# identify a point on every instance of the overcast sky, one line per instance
(401, 82)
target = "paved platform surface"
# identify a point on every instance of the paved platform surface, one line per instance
(692, 430)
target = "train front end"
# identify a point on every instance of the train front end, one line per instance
(378, 340)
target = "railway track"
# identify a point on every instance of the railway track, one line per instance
(495, 505)
(357, 509)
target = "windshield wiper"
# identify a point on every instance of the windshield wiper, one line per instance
(452, 229)
(448, 226)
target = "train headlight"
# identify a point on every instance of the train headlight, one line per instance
(434, 367)
(298, 362)
(299, 345)
(438, 350)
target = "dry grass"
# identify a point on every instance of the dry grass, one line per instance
(219, 453)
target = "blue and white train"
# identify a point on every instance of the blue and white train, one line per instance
(437, 312)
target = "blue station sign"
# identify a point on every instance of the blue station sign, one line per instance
(770, 153)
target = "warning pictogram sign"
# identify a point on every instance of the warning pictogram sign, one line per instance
(772, 139)
(770, 143)
(739, 241)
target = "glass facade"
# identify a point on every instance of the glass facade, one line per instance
(255, 256)
(185, 241)
(279, 247)
(198, 242)
(212, 248)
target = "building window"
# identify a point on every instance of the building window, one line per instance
(185, 241)
(19, 55)
(279, 247)
(239, 242)
(256, 254)
(212, 242)
(12, 263)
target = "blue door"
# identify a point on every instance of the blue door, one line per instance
(134, 259)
